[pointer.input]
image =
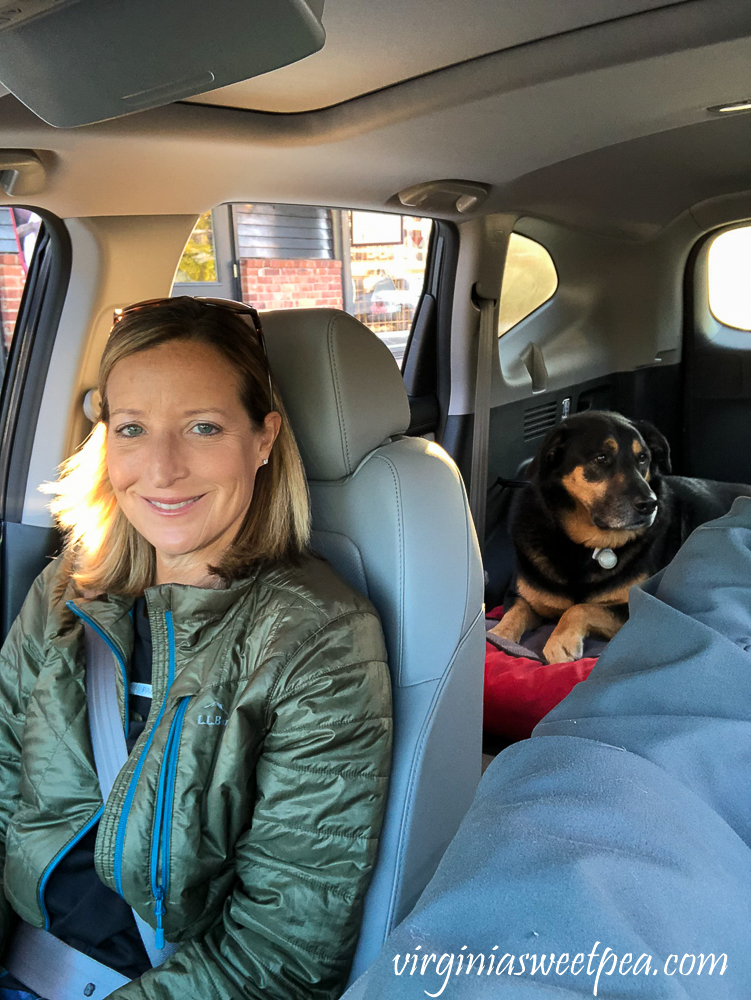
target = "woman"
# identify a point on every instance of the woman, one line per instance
(251, 684)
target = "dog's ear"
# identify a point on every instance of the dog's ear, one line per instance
(658, 447)
(550, 453)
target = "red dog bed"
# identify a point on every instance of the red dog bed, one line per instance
(519, 691)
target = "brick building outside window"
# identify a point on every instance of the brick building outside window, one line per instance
(286, 256)
(18, 230)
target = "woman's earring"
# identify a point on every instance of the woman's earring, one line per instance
(265, 461)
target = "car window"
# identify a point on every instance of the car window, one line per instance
(371, 264)
(529, 280)
(198, 263)
(18, 232)
(728, 268)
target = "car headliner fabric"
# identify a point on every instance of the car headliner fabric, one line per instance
(623, 823)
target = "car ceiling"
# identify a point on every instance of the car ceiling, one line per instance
(601, 125)
(374, 45)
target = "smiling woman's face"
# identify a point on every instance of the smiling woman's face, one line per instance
(182, 454)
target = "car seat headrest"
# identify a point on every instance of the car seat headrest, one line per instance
(340, 384)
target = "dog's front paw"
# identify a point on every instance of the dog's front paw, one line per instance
(507, 628)
(564, 646)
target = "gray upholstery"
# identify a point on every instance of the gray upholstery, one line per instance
(341, 386)
(391, 514)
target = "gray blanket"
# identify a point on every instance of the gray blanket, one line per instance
(533, 642)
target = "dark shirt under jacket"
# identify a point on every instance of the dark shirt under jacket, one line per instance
(83, 911)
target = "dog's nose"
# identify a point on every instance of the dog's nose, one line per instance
(645, 507)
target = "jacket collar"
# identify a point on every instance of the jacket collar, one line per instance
(193, 608)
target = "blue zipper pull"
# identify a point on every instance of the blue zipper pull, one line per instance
(159, 911)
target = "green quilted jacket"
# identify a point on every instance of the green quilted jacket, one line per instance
(245, 820)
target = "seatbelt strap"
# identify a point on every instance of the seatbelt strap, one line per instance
(478, 483)
(54, 970)
(110, 749)
(105, 723)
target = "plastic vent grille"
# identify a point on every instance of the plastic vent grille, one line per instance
(539, 419)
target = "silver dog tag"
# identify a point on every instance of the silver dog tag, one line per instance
(606, 558)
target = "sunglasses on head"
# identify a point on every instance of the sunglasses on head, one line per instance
(246, 312)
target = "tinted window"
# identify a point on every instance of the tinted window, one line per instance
(371, 264)
(529, 279)
(18, 233)
(198, 263)
(728, 273)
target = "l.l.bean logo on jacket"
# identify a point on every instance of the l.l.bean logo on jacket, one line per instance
(211, 718)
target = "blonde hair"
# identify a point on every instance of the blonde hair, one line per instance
(107, 554)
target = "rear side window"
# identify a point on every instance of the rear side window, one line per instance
(387, 262)
(19, 228)
(529, 280)
(198, 262)
(371, 264)
(728, 274)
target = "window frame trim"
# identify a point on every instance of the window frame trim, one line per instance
(27, 369)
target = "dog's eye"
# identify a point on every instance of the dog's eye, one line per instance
(642, 458)
(602, 459)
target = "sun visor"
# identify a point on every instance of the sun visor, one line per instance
(75, 62)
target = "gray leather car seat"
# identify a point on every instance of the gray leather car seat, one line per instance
(391, 514)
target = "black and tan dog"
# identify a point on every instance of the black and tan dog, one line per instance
(600, 514)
